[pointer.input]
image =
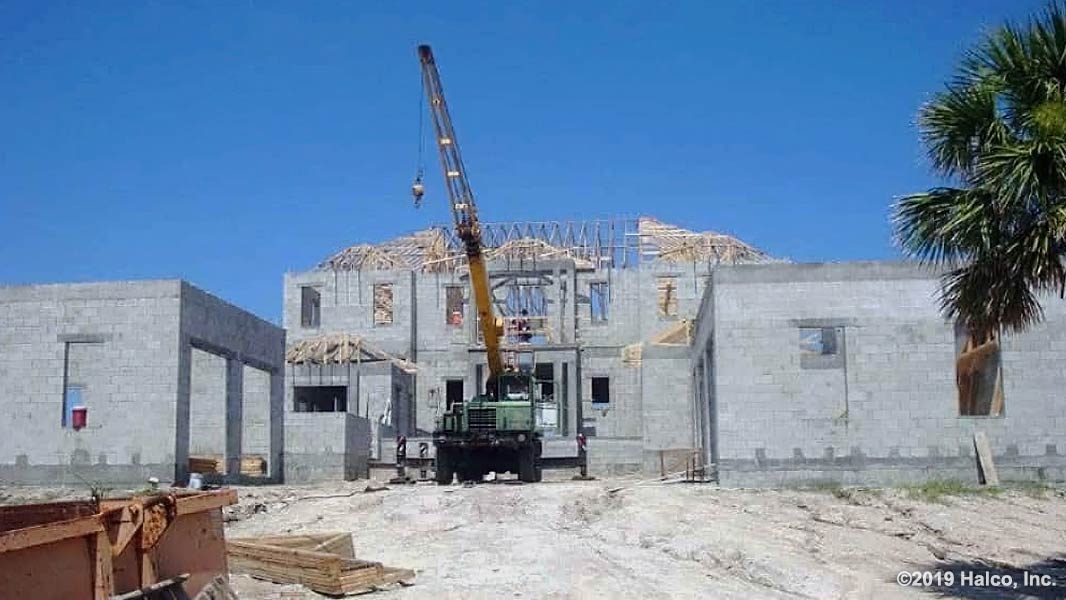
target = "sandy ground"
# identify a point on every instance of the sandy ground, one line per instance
(624, 539)
(570, 539)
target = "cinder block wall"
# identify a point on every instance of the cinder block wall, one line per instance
(120, 342)
(889, 412)
(420, 331)
(128, 349)
(325, 446)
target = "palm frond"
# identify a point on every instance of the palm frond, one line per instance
(998, 129)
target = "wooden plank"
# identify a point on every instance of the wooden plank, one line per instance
(46, 534)
(283, 555)
(340, 544)
(323, 572)
(986, 468)
(997, 395)
(305, 542)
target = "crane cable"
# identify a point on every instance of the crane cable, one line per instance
(418, 189)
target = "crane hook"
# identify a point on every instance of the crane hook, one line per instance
(418, 190)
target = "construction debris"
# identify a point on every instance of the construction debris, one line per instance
(606, 243)
(324, 562)
(341, 348)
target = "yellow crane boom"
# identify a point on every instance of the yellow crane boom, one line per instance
(464, 211)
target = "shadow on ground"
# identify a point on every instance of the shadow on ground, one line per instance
(979, 581)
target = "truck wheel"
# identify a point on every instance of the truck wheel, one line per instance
(527, 465)
(445, 470)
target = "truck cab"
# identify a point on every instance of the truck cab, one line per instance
(494, 431)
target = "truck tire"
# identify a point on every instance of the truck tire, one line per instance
(445, 469)
(527, 465)
(538, 472)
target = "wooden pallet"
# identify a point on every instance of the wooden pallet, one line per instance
(324, 562)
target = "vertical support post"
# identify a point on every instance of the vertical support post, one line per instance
(182, 427)
(423, 459)
(234, 416)
(560, 395)
(277, 426)
(401, 458)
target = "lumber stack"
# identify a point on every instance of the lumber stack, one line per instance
(324, 562)
(253, 465)
(207, 465)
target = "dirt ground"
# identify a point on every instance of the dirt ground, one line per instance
(567, 539)
(627, 539)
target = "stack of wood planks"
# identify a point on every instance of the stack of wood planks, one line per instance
(207, 465)
(324, 562)
(251, 464)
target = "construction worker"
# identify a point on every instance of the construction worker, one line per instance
(525, 334)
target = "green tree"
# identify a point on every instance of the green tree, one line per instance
(997, 134)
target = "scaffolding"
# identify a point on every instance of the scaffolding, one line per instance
(600, 244)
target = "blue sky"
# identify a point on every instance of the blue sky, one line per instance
(228, 142)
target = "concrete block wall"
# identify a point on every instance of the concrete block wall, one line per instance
(421, 331)
(256, 412)
(633, 310)
(121, 339)
(666, 389)
(348, 306)
(889, 412)
(621, 417)
(127, 346)
(325, 446)
(207, 404)
(242, 340)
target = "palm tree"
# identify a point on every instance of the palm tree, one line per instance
(997, 134)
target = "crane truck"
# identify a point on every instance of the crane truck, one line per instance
(496, 430)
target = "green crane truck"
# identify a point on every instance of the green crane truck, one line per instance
(494, 431)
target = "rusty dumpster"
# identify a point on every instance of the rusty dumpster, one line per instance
(97, 549)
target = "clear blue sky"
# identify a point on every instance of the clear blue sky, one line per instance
(228, 142)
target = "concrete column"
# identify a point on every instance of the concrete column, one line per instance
(181, 418)
(556, 374)
(234, 416)
(353, 388)
(571, 308)
(577, 408)
(560, 306)
(711, 403)
(277, 426)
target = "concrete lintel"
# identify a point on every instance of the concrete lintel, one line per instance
(84, 338)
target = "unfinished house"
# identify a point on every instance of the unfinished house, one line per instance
(337, 381)
(850, 373)
(120, 381)
(606, 308)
